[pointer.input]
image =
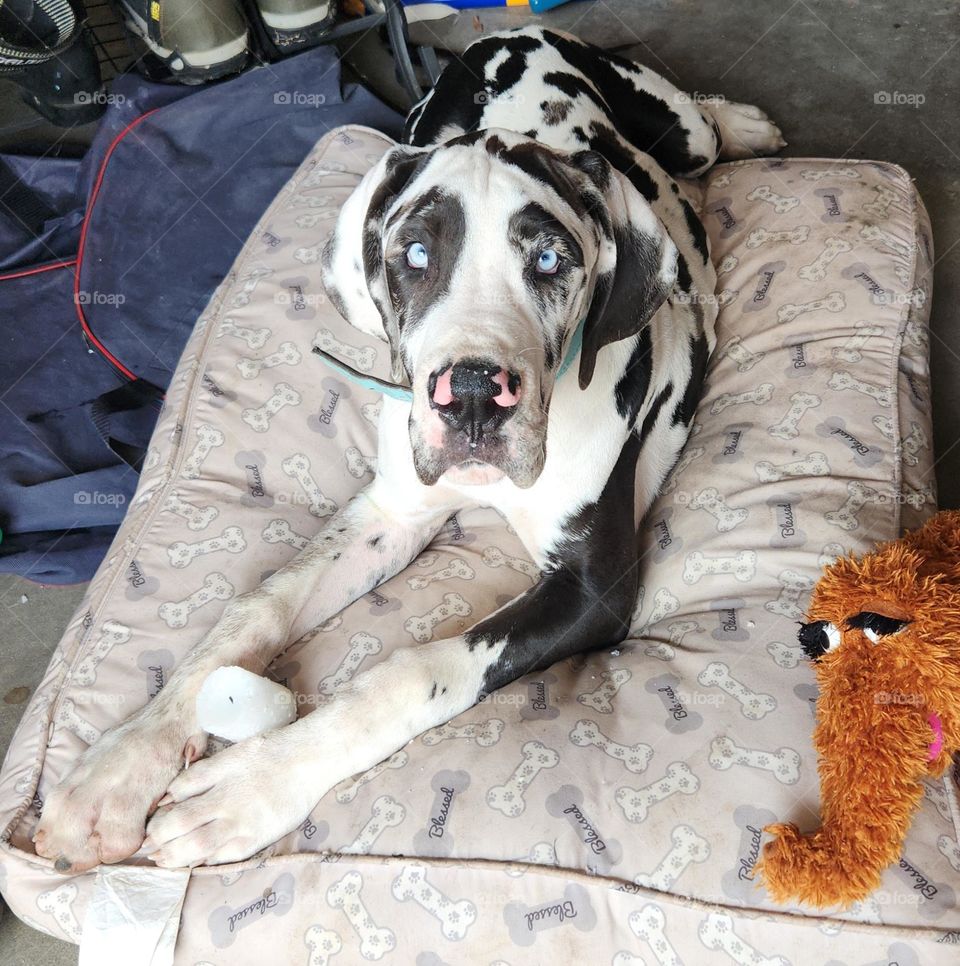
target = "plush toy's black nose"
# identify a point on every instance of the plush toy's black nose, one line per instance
(474, 396)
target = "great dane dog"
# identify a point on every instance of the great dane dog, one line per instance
(529, 224)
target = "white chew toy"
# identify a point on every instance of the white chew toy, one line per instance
(234, 704)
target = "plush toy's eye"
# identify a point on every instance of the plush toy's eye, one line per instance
(876, 626)
(417, 256)
(818, 638)
(548, 262)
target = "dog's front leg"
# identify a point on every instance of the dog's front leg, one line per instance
(229, 806)
(97, 813)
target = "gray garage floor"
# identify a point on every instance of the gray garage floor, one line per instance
(821, 68)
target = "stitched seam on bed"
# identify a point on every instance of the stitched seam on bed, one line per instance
(495, 867)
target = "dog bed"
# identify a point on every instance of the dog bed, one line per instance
(610, 808)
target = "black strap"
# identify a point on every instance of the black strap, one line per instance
(400, 42)
(20, 203)
(133, 395)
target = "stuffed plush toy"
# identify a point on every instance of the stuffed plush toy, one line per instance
(884, 635)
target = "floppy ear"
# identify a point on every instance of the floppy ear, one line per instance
(352, 262)
(637, 265)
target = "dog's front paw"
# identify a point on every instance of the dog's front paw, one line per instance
(745, 131)
(97, 813)
(226, 808)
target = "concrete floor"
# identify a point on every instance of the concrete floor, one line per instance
(32, 619)
(816, 66)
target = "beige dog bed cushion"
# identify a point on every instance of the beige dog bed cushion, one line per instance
(609, 809)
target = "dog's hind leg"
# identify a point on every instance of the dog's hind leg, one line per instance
(97, 813)
(745, 131)
(687, 133)
(684, 133)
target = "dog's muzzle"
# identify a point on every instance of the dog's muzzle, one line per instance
(474, 397)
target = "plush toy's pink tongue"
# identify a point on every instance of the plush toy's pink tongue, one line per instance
(505, 397)
(936, 746)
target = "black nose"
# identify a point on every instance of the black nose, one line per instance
(476, 397)
(474, 380)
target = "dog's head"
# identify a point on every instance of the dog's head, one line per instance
(477, 261)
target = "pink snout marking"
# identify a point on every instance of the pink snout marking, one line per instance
(442, 393)
(505, 397)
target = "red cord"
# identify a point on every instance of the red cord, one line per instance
(83, 240)
(37, 271)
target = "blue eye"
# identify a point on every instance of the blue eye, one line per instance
(548, 261)
(417, 256)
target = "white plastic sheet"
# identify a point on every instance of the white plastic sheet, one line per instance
(133, 917)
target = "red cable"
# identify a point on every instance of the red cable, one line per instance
(83, 240)
(37, 271)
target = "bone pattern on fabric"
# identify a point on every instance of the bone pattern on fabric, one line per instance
(352, 911)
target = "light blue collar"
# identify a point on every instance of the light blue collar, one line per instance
(573, 349)
(390, 389)
(405, 394)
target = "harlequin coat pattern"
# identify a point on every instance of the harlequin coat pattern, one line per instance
(608, 808)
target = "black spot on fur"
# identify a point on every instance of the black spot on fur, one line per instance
(529, 231)
(495, 144)
(643, 119)
(696, 229)
(623, 304)
(580, 135)
(595, 166)
(533, 224)
(437, 220)
(549, 355)
(631, 389)
(433, 691)
(687, 406)
(555, 112)
(684, 281)
(463, 91)
(468, 140)
(586, 596)
(649, 421)
(400, 169)
(375, 541)
(573, 86)
(544, 166)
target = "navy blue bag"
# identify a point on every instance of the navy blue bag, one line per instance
(105, 265)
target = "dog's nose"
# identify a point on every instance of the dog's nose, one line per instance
(475, 396)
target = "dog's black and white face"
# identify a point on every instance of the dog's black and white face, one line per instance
(477, 260)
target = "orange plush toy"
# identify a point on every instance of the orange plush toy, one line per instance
(884, 634)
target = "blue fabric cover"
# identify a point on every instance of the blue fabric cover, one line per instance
(179, 194)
